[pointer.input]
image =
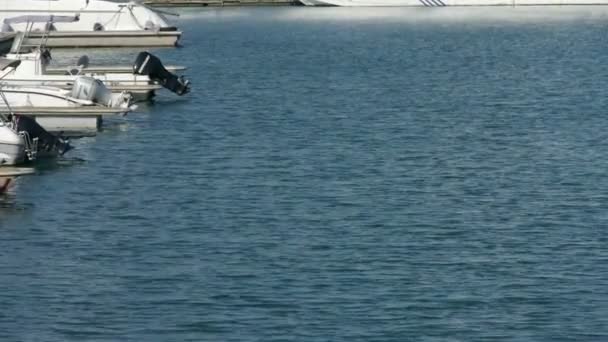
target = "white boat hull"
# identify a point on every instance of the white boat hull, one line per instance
(108, 69)
(36, 97)
(11, 154)
(56, 111)
(90, 39)
(32, 71)
(139, 90)
(69, 125)
(12, 146)
(447, 3)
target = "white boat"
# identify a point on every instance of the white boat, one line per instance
(23, 140)
(86, 92)
(44, 97)
(446, 3)
(76, 112)
(144, 77)
(99, 23)
(12, 144)
(140, 82)
(61, 111)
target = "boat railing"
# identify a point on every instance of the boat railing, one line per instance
(31, 145)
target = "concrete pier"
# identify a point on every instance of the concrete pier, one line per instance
(220, 3)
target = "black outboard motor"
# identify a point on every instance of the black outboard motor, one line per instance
(150, 65)
(48, 144)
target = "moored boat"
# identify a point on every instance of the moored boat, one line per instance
(447, 3)
(32, 72)
(98, 23)
(23, 140)
(145, 76)
(58, 110)
(73, 113)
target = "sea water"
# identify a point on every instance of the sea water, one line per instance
(335, 175)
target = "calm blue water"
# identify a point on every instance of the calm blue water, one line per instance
(337, 175)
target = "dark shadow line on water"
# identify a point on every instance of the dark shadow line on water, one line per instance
(50, 164)
(9, 203)
(167, 99)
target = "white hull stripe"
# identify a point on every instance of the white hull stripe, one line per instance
(143, 65)
(432, 3)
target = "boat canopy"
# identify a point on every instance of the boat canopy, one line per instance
(42, 19)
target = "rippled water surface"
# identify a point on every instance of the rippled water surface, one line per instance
(336, 175)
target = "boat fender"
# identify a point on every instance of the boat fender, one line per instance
(49, 27)
(150, 65)
(98, 27)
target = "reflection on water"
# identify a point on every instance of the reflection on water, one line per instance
(10, 204)
(47, 165)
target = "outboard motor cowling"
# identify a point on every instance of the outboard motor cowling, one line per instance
(150, 65)
(91, 89)
(83, 61)
(81, 64)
